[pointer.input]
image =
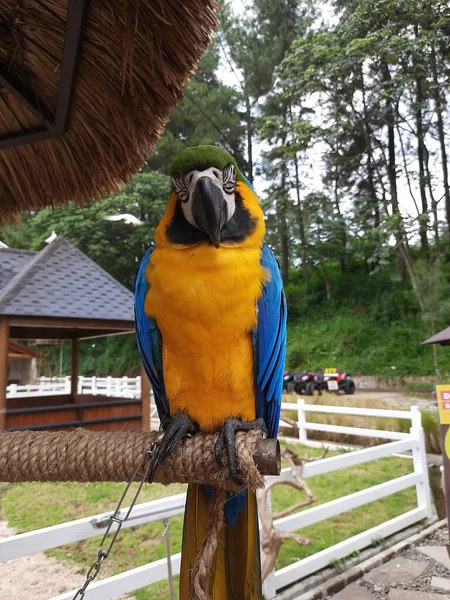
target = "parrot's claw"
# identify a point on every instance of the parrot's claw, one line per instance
(175, 428)
(226, 442)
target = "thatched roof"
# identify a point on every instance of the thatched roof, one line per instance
(81, 110)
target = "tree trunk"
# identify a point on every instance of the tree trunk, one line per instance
(283, 212)
(434, 203)
(342, 256)
(392, 173)
(423, 224)
(284, 236)
(301, 222)
(248, 113)
(326, 279)
(441, 133)
(370, 161)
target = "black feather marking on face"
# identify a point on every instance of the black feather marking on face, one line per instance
(179, 187)
(238, 228)
(229, 179)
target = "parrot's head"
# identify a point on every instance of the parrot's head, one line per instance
(211, 202)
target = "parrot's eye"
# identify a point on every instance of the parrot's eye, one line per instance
(216, 173)
(179, 186)
(229, 179)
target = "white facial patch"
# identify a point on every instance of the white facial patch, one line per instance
(184, 187)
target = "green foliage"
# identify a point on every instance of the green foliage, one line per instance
(366, 327)
(431, 428)
(209, 114)
(114, 245)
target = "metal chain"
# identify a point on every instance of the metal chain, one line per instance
(116, 518)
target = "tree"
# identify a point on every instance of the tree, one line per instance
(209, 114)
(270, 28)
(115, 246)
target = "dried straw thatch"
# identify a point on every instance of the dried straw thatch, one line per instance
(132, 65)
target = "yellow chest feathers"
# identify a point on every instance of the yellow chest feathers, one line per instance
(204, 291)
(204, 302)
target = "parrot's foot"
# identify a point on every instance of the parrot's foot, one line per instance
(175, 428)
(226, 441)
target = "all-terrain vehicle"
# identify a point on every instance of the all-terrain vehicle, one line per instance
(288, 381)
(334, 380)
(300, 383)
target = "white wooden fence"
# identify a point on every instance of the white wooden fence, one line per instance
(119, 387)
(165, 508)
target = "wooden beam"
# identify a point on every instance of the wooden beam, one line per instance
(4, 344)
(26, 96)
(74, 28)
(74, 369)
(145, 397)
(68, 324)
(24, 333)
(27, 136)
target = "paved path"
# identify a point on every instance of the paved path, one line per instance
(421, 573)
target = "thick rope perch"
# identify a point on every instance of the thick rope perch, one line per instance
(113, 456)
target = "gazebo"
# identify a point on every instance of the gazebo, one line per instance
(442, 338)
(60, 293)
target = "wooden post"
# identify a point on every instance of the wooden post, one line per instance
(4, 342)
(74, 369)
(145, 396)
(444, 431)
(443, 399)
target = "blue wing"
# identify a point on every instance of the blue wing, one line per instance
(270, 345)
(148, 338)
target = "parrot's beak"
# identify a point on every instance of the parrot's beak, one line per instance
(209, 209)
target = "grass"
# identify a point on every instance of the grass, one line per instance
(430, 420)
(32, 506)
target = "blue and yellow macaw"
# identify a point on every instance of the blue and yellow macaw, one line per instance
(211, 332)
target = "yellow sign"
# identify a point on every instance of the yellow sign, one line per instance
(331, 371)
(447, 443)
(443, 398)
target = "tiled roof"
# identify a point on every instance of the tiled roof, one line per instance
(11, 263)
(60, 281)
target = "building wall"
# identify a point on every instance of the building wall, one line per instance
(21, 370)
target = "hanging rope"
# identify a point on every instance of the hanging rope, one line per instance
(202, 569)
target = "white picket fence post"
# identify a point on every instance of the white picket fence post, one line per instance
(301, 420)
(420, 462)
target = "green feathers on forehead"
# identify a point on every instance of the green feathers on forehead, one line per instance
(200, 158)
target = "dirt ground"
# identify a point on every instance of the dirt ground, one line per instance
(37, 577)
(399, 398)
